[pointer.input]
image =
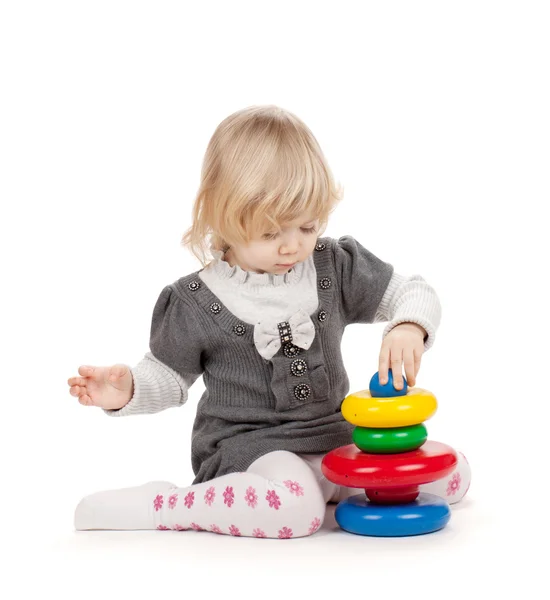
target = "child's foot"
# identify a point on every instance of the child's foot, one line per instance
(126, 508)
(454, 486)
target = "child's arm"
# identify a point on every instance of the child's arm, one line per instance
(163, 377)
(371, 291)
(410, 300)
(156, 388)
(413, 310)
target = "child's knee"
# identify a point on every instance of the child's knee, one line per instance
(304, 514)
(292, 492)
(459, 482)
(454, 486)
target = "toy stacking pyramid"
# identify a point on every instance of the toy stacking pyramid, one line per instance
(389, 458)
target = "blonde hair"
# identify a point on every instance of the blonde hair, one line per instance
(262, 167)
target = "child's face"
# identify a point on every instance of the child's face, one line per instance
(277, 251)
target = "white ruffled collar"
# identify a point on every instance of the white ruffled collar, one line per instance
(236, 274)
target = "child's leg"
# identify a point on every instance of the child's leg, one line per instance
(452, 488)
(330, 490)
(277, 497)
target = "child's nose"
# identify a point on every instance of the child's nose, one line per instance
(289, 252)
(289, 246)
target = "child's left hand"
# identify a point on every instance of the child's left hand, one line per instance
(403, 344)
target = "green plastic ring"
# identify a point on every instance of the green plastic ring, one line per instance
(391, 439)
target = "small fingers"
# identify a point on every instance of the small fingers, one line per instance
(410, 373)
(417, 361)
(396, 362)
(117, 371)
(86, 371)
(82, 394)
(383, 366)
(78, 390)
(85, 400)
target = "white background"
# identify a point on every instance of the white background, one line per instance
(435, 118)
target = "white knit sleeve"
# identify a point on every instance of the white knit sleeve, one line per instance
(156, 388)
(410, 300)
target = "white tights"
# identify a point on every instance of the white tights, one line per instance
(281, 495)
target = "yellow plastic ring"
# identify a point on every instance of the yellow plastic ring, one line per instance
(416, 406)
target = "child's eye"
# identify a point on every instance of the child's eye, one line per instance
(272, 236)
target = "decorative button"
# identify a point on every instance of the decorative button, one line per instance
(320, 246)
(302, 391)
(194, 285)
(215, 307)
(284, 332)
(325, 283)
(291, 350)
(322, 316)
(298, 367)
(239, 329)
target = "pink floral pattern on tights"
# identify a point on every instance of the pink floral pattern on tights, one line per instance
(189, 499)
(315, 524)
(215, 529)
(234, 530)
(259, 533)
(209, 496)
(163, 528)
(228, 496)
(180, 527)
(158, 502)
(251, 497)
(172, 501)
(273, 499)
(454, 485)
(196, 527)
(294, 487)
(285, 533)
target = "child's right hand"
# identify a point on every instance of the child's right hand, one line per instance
(106, 387)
